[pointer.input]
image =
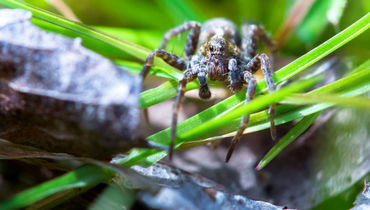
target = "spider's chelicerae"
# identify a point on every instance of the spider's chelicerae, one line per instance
(216, 49)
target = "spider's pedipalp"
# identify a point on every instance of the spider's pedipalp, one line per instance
(203, 86)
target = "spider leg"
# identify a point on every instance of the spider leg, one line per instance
(262, 61)
(259, 61)
(249, 96)
(169, 58)
(195, 70)
(176, 109)
(192, 39)
(236, 83)
(251, 33)
(190, 47)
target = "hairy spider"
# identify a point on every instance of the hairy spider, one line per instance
(216, 50)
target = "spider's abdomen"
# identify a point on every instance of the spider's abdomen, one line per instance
(221, 27)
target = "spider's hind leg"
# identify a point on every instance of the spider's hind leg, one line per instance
(251, 34)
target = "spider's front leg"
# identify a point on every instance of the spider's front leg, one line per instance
(178, 63)
(195, 70)
(192, 40)
(170, 58)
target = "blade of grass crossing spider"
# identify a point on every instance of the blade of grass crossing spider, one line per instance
(361, 78)
(252, 106)
(355, 84)
(299, 99)
(296, 131)
(195, 132)
(84, 177)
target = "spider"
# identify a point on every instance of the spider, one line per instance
(216, 49)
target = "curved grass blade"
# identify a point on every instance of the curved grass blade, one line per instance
(136, 68)
(198, 132)
(163, 92)
(150, 39)
(352, 102)
(256, 104)
(352, 85)
(296, 131)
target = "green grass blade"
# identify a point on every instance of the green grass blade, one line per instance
(163, 92)
(352, 85)
(296, 131)
(150, 39)
(352, 102)
(84, 177)
(136, 68)
(325, 48)
(256, 104)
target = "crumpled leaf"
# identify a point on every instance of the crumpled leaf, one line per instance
(61, 97)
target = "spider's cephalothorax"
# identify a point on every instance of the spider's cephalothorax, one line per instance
(217, 51)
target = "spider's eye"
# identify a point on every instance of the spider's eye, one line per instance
(222, 48)
(211, 48)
